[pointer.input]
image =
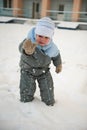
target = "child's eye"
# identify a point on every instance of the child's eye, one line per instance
(43, 37)
(40, 36)
(47, 37)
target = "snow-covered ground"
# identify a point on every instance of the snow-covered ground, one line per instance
(70, 110)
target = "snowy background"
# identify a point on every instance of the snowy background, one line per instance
(70, 110)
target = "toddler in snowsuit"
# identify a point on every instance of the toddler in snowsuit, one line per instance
(37, 52)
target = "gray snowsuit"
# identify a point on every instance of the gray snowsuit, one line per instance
(36, 67)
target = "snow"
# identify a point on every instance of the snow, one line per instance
(70, 110)
(68, 25)
(5, 19)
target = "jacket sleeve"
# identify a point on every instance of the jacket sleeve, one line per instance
(57, 60)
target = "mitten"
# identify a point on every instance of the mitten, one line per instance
(59, 68)
(29, 47)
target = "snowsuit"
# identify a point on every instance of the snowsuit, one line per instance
(36, 67)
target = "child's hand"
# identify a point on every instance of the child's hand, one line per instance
(59, 68)
(29, 47)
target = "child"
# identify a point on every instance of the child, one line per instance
(38, 49)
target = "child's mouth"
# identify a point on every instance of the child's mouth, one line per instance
(41, 43)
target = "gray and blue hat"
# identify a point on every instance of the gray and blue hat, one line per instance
(45, 27)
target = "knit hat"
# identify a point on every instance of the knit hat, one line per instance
(45, 27)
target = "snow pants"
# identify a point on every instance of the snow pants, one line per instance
(28, 87)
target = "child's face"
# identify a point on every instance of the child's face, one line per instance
(42, 40)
